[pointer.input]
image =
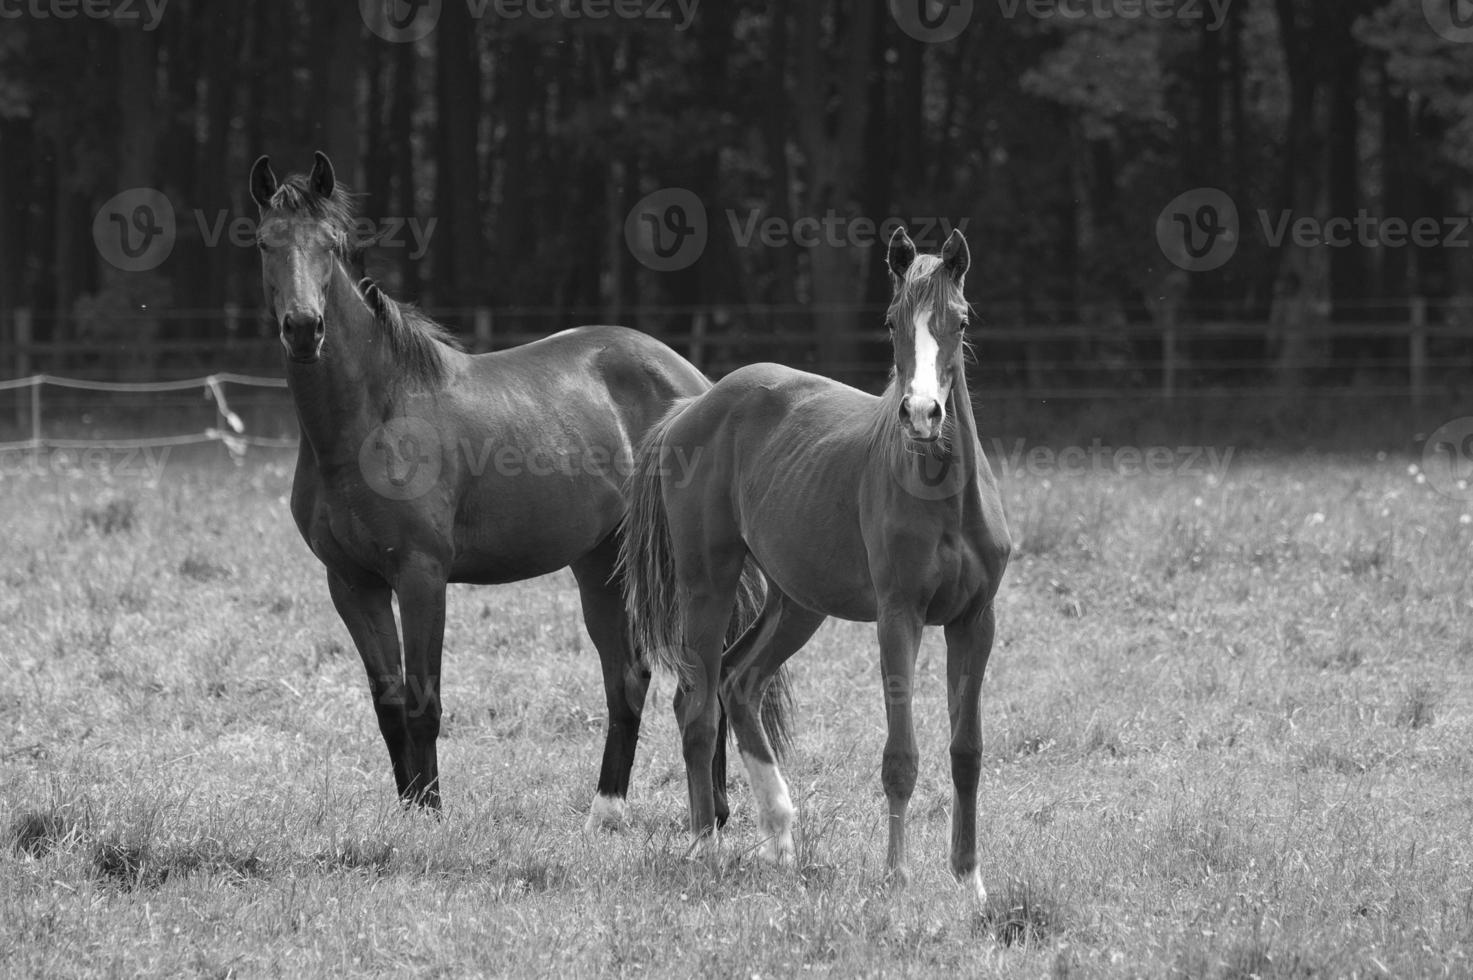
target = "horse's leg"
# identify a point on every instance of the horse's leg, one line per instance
(697, 699)
(626, 680)
(421, 590)
(718, 772)
(366, 609)
(900, 637)
(778, 633)
(968, 645)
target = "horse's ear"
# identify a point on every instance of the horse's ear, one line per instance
(263, 182)
(323, 180)
(955, 256)
(901, 254)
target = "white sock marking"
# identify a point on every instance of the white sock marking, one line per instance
(606, 813)
(774, 809)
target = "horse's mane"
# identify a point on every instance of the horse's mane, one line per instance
(295, 196)
(417, 342)
(926, 285)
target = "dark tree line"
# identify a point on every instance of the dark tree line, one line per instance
(527, 139)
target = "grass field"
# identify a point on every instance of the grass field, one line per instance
(1227, 734)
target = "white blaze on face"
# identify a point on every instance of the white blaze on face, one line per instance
(925, 380)
(924, 394)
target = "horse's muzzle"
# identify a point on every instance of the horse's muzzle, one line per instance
(301, 335)
(921, 418)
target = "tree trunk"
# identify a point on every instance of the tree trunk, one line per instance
(458, 241)
(1301, 297)
(338, 30)
(832, 145)
(775, 127)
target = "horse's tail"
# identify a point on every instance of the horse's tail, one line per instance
(646, 561)
(651, 595)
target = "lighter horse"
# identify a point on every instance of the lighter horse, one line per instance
(874, 509)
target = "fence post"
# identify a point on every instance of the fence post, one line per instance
(1168, 357)
(232, 324)
(1417, 359)
(485, 325)
(23, 338)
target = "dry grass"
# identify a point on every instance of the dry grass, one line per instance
(1228, 735)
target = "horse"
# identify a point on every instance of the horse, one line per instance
(422, 465)
(877, 509)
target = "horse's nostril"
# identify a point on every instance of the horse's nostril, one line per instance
(935, 412)
(905, 408)
(301, 324)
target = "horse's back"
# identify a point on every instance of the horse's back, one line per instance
(604, 372)
(619, 353)
(773, 402)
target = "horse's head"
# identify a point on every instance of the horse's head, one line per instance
(927, 318)
(306, 228)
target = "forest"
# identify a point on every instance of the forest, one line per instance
(501, 151)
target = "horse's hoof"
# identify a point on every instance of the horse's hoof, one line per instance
(972, 885)
(778, 853)
(607, 813)
(705, 848)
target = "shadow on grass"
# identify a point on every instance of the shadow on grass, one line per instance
(1021, 913)
(134, 864)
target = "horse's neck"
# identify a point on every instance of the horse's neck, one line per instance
(959, 447)
(964, 436)
(335, 397)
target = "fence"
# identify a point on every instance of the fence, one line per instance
(1407, 355)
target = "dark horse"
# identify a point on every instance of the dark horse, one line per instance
(875, 509)
(421, 465)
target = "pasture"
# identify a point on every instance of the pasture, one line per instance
(1228, 729)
